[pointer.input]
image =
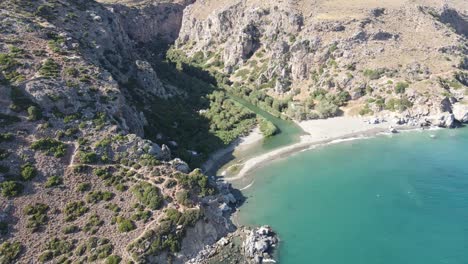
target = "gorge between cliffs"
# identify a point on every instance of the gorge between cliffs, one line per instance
(204, 131)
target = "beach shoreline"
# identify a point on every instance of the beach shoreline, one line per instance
(222, 156)
(318, 133)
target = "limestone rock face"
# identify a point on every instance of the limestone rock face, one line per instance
(286, 47)
(460, 112)
(180, 165)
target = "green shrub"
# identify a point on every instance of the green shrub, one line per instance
(70, 229)
(125, 225)
(103, 143)
(183, 197)
(72, 117)
(148, 195)
(11, 188)
(50, 146)
(6, 137)
(49, 69)
(97, 196)
(366, 111)
(374, 74)
(398, 104)
(319, 93)
(45, 11)
(93, 224)
(268, 128)
(400, 87)
(9, 252)
(56, 247)
(34, 113)
(73, 210)
(37, 215)
(326, 109)
(140, 215)
(113, 207)
(196, 181)
(28, 172)
(98, 248)
(170, 183)
(114, 259)
(83, 187)
(88, 157)
(72, 72)
(53, 181)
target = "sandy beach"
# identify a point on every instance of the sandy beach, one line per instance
(320, 132)
(223, 155)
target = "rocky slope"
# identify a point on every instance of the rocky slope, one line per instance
(404, 58)
(79, 182)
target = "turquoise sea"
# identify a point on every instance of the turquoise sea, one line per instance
(386, 200)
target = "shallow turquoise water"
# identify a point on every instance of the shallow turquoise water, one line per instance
(401, 199)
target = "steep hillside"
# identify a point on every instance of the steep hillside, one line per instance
(322, 58)
(107, 108)
(80, 182)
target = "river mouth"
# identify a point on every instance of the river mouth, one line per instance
(232, 162)
(388, 199)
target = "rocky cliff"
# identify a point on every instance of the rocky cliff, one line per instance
(79, 180)
(401, 58)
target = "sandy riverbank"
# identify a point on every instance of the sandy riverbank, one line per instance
(320, 132)
(224, 155)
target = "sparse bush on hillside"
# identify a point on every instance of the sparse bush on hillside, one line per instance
(374, 74)
(49, 69)
(55, 248)
(34, 113)
(9, 252)
(70, 229)
(95, 248)
(97, 196)
(400, 87)
(87, 157)
(196, 181)
(183, 197)
(83, 187)
(37, 215)
(11, 188)
(53, 181)
(114, 259)
(125, 225)
(93, 224)
(398, 104)
(6, 137)
(142, 215)
(28, 172)
(366, 111)
(148, 195)
(50, 146)
(73, 210)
